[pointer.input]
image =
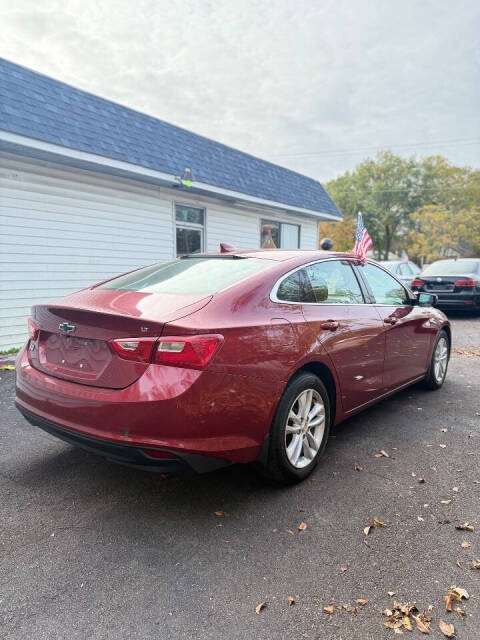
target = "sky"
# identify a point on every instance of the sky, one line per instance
(314, 86)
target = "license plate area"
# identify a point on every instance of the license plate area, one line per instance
(81, 358)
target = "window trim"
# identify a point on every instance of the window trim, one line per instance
(371, 297)
(188, 225)
(280, 223)
(363, 290)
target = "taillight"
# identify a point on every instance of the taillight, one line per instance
(193, 352)
(33, 329)
(418, 282)
(465, 283)
(139, 349)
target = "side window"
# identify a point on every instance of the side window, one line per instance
(404, 269)
(333, 282)
(296, 288)
(415, 270)
(386, 289)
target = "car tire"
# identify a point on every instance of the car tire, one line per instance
(434, 380)
(281, 464)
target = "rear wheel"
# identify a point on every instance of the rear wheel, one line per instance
(299, 431)
(439, 363)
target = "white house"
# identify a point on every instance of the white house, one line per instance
(89, 189)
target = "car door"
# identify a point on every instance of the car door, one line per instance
(349, 330)
(407, 329)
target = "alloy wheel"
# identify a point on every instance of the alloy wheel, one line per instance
(305, 428)
(440, 359)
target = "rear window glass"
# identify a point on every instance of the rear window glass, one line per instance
(451, 267)
(190, 275)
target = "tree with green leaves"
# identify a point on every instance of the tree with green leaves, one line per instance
(389, 190)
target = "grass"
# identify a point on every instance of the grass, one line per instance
(10, 352)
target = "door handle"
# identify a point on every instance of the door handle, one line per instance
(331, 325)
(390, 320)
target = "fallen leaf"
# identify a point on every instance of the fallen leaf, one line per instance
(382, 454)
(475, 564)
(291, 601)
(329, 609)
(466, 526)
(443, 446)
(259, 607)
(393, 623)
(221, 513)
(387, 612)
(302, 526)
(465, 544)
(448, 630)
(398, 631)
(421, 480)
(444, 430)
(461, 612)
(391, 593)
(414, 475)
(406, 623)
(420, 519)
(379, 523)
(455, 489)
(361, 602)
(445, 501)
(292, 533)
(457, 593)
(343, 569)
(367, 528)
(358, 467)
(423, 623)
(459, 564)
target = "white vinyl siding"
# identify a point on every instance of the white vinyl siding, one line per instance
(63, 229)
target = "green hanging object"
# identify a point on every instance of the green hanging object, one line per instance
(187, 183)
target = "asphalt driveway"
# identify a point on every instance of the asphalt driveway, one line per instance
(89, 549)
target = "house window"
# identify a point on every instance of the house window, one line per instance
(274, 235)
(189, 229)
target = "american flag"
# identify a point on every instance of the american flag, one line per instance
(363, 242)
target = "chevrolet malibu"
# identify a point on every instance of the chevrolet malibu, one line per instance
(238, 356)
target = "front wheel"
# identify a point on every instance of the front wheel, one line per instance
(439, 363)
(299, 431)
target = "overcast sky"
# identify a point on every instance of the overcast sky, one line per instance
(314, 86)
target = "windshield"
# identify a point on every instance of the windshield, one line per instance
(451, 267)
(189, 275)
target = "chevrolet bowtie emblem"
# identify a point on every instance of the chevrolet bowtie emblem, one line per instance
(67, 328)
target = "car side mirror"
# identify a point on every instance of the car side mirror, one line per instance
(426, 299)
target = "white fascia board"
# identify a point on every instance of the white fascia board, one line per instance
(167, 179)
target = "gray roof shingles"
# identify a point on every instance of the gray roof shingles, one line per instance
(39, 107)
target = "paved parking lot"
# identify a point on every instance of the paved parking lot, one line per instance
(89, 549)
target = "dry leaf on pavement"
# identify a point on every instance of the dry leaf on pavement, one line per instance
(406, 623)
(465, 544)
(445, 501)
(221, 513)
(291, 601)
(329, 609)
(421, 480)
(382, 454)
(259, 607)
(302, 526)
(343, 569)
(358, 467)
(361, 602)
(466, 526)
(475, 564)
(423, 622)
(379, 523)
(443, 446)
(448, 630)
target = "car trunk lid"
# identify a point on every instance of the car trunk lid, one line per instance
(443, 283)
(75, 333)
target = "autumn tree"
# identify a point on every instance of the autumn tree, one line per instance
(389, 190)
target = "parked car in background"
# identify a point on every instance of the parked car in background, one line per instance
(404, 270)
(231, 357)
(455, 282)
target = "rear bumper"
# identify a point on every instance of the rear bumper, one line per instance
(202, 414)
(127, 454)
(458, 301)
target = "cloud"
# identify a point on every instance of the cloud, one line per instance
(273, 78)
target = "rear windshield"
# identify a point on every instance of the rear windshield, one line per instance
(451, 267)
(189, 275)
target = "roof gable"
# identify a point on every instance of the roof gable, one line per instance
(39, 107)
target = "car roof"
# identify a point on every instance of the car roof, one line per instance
(277, 255)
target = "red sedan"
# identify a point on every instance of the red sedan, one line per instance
(232, 357)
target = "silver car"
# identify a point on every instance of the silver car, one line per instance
(404, 270)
